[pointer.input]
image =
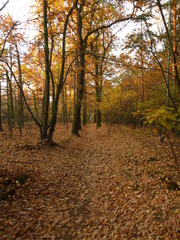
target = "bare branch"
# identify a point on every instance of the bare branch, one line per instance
(170, 44)
(108, 26)
(4, 5)
(6, 38)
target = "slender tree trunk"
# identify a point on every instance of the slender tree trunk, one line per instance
(175, 43)
(20, 97)
(84, 111)
(1, 128)
(76, 80)
(74, 94)
(51, 73)
(16, 106)
(98, 87)
(37, 98)
(98, 94)
(11, 92)
(61, 78)
(142, 62)
(99, 63)
(20, 111)
(169, 57)
(94, 116)
(45, 110)
(9, 105)
(142, 72)
(172, 46)
(63, 108)
(163, 73)
(66, 105)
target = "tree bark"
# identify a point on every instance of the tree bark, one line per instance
(84, 111)
(45, 107)
(20, 97)
(61, 79)
(1, 128)
(142, 63)
(80, 90)
(9, 105)
(177, 80)
(169, 56)
(11, 93)
(64, 107)
(98, 93)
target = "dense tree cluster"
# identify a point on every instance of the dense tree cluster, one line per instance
(75, 70)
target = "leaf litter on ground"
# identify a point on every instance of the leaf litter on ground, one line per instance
(107, 184)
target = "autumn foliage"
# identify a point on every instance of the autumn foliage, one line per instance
(90, 120)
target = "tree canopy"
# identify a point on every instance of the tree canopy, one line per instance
(78, 68)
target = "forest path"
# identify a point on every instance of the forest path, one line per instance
(104, 185)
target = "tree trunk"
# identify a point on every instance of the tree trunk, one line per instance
(98, 92)
(172, 46)
(142, 63)
(45, 107)
(98, 118)
(84, 111)
(20, 97)
(80, 89)
(177, 80)
(9, 105)
(61, 79)
(1, 128)
(16, 106)
(11, 93)
(169, 57)
(98, 99)
(63, 108)
(66, 106)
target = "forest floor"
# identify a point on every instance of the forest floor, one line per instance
(109, 184)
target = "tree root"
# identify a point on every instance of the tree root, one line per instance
(49, 143)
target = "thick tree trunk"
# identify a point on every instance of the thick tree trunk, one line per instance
(80, 89)
(76, 121)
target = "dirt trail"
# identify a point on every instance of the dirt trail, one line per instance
(100, 186)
